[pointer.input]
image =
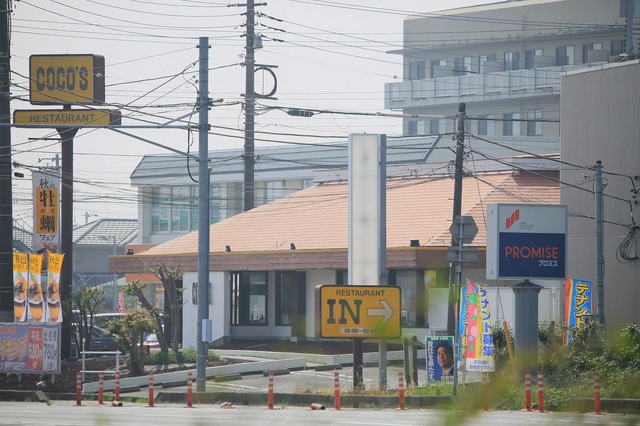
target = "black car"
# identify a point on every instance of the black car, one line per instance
(102, 341)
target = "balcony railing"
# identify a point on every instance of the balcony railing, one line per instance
(476, 87)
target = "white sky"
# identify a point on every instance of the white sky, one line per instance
(333, 57)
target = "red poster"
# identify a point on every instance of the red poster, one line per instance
(34, 351)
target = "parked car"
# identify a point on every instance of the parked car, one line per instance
(103, 341)
(151, 341)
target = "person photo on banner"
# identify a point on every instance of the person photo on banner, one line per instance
(444, 356)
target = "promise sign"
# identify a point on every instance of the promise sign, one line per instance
(66, 79)
(526, 241)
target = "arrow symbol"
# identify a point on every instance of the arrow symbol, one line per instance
(386, 311)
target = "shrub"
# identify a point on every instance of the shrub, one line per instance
(184, 356)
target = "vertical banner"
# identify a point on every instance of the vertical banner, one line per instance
(479, 345)
(578, 301)
(121, 302)
(20, 286)
(439, 356)
(54, 310)
(35, 297)
(462, 324)
(46, 211)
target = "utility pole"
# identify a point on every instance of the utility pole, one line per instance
(6, 208)
(249, 111)
(599, 243)
(457, 209)
(455, 279)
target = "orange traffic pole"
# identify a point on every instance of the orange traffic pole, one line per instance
(189, 391)
(596, 393)
(336, 387)
(270, 400)
(150, 389)
(401, 390)
(78, 388)
(101, 389)
(527, 391)
(540, 392)
(116, 397)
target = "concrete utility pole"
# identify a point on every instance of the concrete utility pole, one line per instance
(203, 215)
(6, 208)
(457, 209)
(249, 111)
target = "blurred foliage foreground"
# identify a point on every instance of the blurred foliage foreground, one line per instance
(568, 370)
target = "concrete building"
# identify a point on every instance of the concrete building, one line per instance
(600, 111)
(504, 60)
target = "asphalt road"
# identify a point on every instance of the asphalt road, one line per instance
(65, 413)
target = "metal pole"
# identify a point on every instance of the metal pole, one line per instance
(203, 213)
(6, 198)
(115, 279)
(249, 111)
(599, 243)
(382, 250)
(629, 27)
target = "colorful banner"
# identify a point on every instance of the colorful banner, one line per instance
(121, 302)
(439, 356)
(479, 332)
(462, 324)
(46, 211)
(578, 304)
(35, 296)
(54, 310)
(20, 285)
(29, 348)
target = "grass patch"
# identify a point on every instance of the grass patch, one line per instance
(184, 356)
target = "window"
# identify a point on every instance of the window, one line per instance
(434, 65)
(417, 70)
(509, 126)
(482, 125)
(437, 126)
(487, 125)
(511, 61)
(462, 65)
(181, 208)
(534, 128)
(248, 298)
(565, 55)
(530, 58)
(160, 209)
(285, 291)
(617, 47)
(586, 48)
(482, 67)
(412, 307)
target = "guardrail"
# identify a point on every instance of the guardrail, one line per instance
(117, 354)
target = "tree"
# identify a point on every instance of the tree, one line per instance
(128, 333)
(169, 276)
(87, 302)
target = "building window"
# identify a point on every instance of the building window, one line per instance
(462, 65)
(434, 67)
(482, 125)
(617, 47)
(510, 125)
(487, 125)
(412, 307)
(482, 67)
(511, 61)
(417, 70)
(248, 298)
(530, 58)
(160, 208)
(586, 48)
(534, 127)
(565, 55)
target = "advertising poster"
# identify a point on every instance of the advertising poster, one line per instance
(462, 323)
(54, 310)
(479, 332)
(46, 211)
(440, 358)
(20, 286)
(29, 348)
(34, 295)
(578, 301)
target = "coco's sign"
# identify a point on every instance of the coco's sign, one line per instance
(66, 79)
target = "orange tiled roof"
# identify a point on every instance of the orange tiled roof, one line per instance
(418, 208)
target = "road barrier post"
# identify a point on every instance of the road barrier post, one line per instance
(189, 391)
(101, 389)
(336, 387)
(596, 393)
(270, 400)
(527, 391)
(401, 390)
(150, 389)
(117, 389)
(540, 392)
(78, 389)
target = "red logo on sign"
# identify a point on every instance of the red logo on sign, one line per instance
(515, 216)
